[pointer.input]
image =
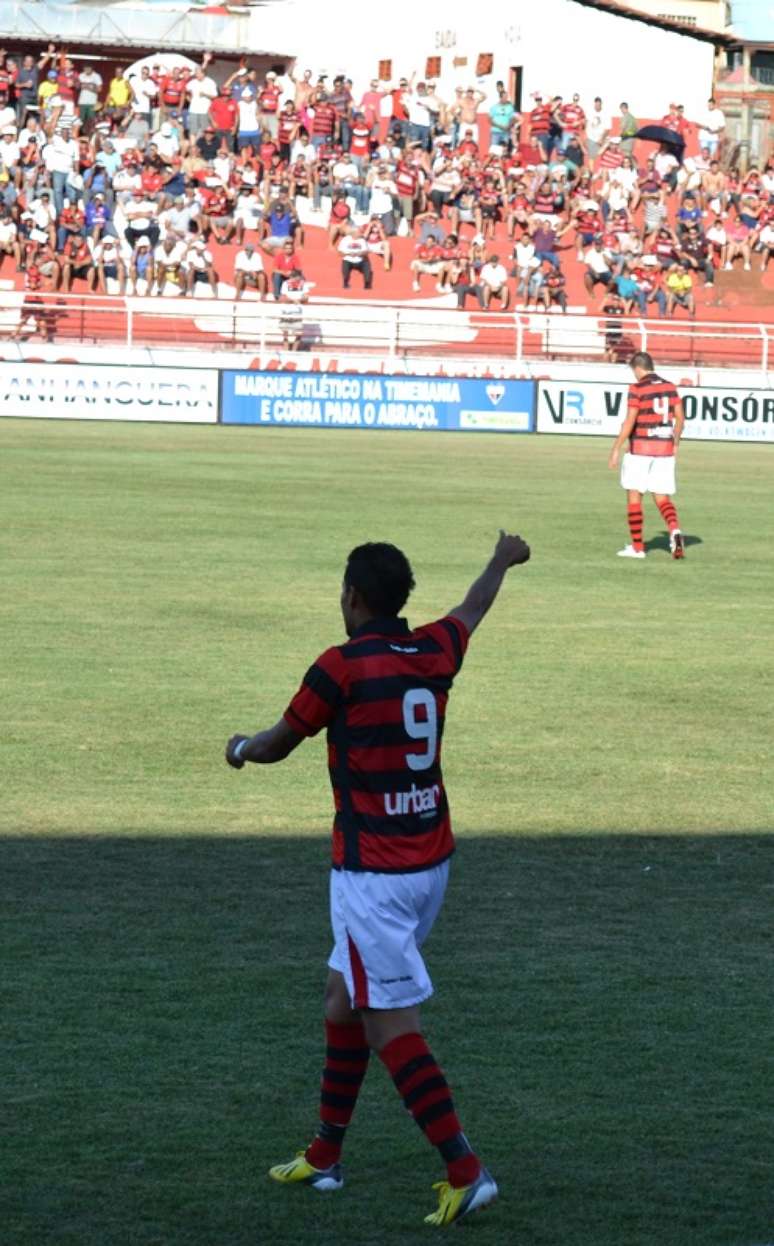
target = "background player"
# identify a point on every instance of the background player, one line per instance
(382, 696)
(653, 427)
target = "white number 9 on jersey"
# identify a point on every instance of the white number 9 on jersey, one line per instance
(424, 728)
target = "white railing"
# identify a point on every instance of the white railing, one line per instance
(436, 337)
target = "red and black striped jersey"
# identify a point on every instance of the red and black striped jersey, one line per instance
(655, 402)
(382, 696)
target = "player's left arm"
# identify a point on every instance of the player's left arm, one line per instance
(623, 436)
(679, 421)
(274, 744)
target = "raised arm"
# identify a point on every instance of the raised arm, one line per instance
(267, 746)
(510, 551)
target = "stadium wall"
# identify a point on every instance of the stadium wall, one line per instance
(364, 401)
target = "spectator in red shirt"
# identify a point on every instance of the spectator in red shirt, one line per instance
(224, 114)
(268, 104)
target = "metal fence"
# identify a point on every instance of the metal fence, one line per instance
(387, 333)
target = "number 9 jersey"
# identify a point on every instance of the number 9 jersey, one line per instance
(382, 696)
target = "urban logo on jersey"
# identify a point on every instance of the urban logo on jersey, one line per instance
(422, 800)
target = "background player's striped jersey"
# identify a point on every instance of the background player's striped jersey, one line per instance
(655, 401)
(382, 695)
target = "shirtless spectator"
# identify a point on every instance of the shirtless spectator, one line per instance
(248, 272)
(470, 101)
(714, 185)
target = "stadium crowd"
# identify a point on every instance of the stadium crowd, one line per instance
(144, 180)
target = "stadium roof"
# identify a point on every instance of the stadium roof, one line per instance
(133, 26)
(665, 23)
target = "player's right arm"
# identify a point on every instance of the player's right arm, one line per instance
(624, 435)
(510, 551)
(679, 422)
(312, 708)
(267, 746)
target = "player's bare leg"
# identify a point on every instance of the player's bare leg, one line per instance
(667, 507)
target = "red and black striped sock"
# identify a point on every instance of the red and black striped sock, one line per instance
(346, 1063)
(634, 515)
(667, 509)
(426, 1095)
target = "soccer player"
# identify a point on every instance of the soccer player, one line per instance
(382, 697)
(653, 427)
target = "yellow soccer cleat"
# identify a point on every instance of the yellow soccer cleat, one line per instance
(454, 1203)
(299, 1172)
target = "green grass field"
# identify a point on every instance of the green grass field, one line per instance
(603, 962)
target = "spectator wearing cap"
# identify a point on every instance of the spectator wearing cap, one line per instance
(269, 104)
(383, 195)
(142, 268)
(108, 263)
(694, 252)
(493, 280)
(140, 214)
(224, 115)
(97, 217)
(169, 264)
(248, 272)
(248, 122)
(198, 265)
(71, 221)
(47, 89)
(650, 285)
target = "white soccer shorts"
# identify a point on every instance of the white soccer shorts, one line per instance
(380, 922)
(648, 474)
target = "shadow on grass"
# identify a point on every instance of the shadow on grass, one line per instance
(662, 541)
(601, 1012)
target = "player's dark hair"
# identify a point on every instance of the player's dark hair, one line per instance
(642, 360)
(382, 575)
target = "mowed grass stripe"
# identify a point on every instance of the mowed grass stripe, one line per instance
(602, 961)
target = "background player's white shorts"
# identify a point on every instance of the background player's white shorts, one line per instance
(380, 922)
(647, 474)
